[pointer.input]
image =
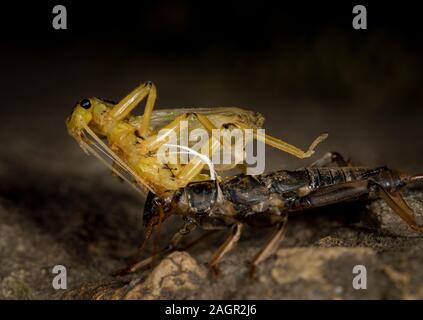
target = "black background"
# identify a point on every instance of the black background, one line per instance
(189, 27)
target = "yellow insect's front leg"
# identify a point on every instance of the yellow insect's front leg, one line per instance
(128, 103)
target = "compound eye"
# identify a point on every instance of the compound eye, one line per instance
(85, 103)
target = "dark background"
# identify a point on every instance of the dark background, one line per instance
(301, 64)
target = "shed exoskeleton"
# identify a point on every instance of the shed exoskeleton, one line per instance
(268, 200)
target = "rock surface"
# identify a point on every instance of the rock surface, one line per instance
(55, 215)
(315, 261)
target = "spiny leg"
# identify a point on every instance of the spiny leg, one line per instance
(270, 247)
(330, 158)
(396, 202)
(229, 243)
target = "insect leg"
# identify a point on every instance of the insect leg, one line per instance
(176, 239)
(128, 103)
(396, 202)
(330, 158)
(148, 110)
(154, 142)
(206, 123)
(332, 194)
(196, 165)
(285, 146)
(270, 247)
(180, 234)
(229, 243)
(226, 141)
(356, 189)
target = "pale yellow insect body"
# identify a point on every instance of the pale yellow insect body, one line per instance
(108, 130)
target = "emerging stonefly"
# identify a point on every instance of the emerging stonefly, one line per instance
(128, 144)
